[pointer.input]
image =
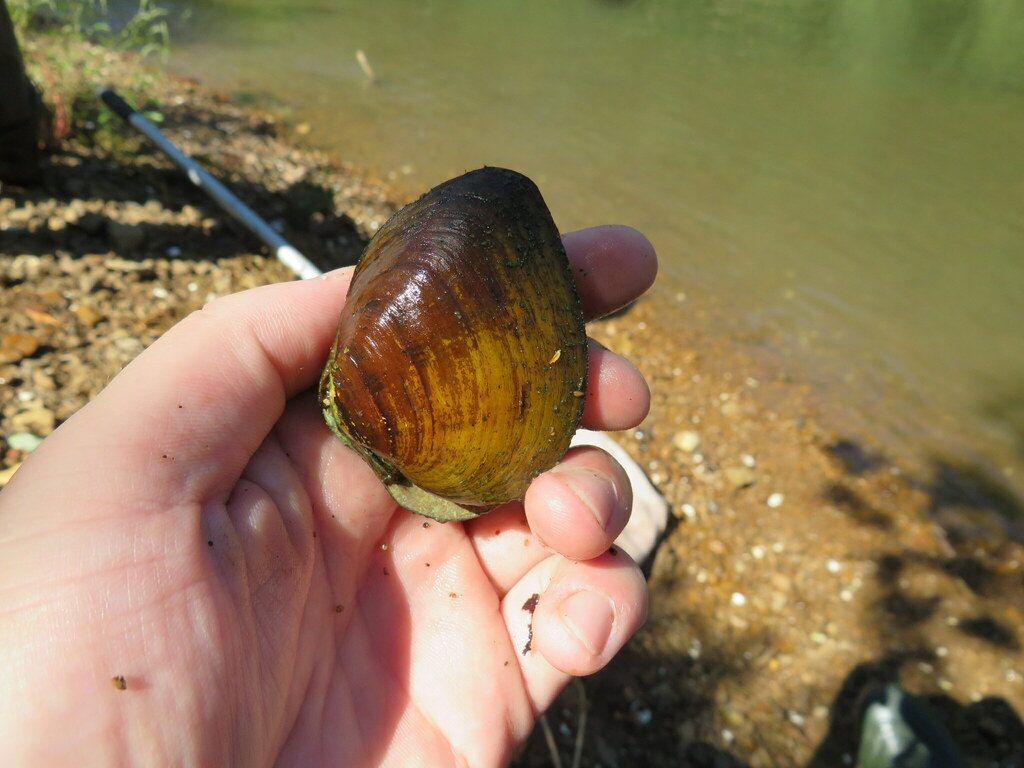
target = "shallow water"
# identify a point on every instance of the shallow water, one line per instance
(846, 178)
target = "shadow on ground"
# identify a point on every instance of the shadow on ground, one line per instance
(643, 709)
(986, 732)
(666, 708)
(303, 213)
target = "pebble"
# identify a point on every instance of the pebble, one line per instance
(87, 316)
(16, 346)
(775, 500)
(643, 714)
(748, 461)
(38, 420)
(7, 474)
(24, 441)
(833, 566)
(730, 409)
(740, 477)
(738, 599)
(9, 355)
(686, 440)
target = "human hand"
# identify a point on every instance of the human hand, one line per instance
(197, 530)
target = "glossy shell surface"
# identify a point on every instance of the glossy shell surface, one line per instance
(460, 365)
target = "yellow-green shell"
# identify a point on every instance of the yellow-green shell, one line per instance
(460, 364)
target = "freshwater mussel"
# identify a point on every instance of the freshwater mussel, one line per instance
(459, 369)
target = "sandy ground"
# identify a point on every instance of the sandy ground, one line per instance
(802, 567)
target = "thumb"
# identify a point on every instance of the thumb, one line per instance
(188, 413)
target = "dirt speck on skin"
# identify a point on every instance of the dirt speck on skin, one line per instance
(530, 606)
(853, 569)
(119, 682)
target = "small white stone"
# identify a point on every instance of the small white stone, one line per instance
(727, 736)
(748, 460)
(833, 566)
(738, 599)
(775, 500)
(941, 651)
(688, 511)
(758, 552)
(945, 685)
(796, 718)
(160, 292)
(192, 287)
(25, 395)
(1011, 676)
(846, 595)
(686, 441)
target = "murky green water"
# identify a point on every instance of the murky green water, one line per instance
(846, 176)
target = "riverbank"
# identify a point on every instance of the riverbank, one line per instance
(802, 567)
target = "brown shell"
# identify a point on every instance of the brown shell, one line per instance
(461, 357)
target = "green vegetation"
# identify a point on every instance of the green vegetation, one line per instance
(72, 48)
(145, 30)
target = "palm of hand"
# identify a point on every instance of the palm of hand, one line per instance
(400, 619)
(197, 530)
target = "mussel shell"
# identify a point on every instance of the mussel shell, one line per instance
(460, 365)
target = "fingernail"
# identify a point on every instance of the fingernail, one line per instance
(589, 617)
(595, 490)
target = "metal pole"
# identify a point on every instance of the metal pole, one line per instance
(285, 252)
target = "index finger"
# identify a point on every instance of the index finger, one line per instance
(613, 265)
